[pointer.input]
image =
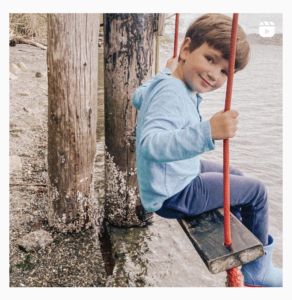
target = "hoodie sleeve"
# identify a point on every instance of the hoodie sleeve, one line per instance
(164, 136)
(139, 94)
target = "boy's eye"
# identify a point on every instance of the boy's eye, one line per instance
(209, 58)
(224, 72)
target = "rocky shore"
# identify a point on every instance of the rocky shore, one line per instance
(40, 257)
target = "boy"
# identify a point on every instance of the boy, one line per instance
(171, 135)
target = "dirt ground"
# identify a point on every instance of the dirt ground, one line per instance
(72, 260)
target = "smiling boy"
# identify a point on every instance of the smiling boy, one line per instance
(171, 135)
(204, 69)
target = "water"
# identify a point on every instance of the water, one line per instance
(257, 147)
(161, 254)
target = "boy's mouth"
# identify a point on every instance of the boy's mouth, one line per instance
(205, 81)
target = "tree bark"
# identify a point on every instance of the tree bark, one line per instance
(72, 59)
(129, 52)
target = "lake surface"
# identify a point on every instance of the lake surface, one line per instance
(161, 255)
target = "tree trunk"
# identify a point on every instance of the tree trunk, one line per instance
(129, 59)
(72, 59)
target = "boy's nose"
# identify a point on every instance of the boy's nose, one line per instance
(213, 75)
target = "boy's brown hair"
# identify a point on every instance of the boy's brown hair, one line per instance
(215, 30)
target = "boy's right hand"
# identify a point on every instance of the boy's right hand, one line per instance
(224, 125)
(172, 63)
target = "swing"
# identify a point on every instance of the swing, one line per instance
(210, 232)
(206, 232)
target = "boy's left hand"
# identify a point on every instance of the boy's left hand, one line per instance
(171, 64)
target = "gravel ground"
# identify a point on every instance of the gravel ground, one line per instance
(72, 260)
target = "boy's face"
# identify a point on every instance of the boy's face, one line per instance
(203, 70)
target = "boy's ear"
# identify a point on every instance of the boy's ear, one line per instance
(185, 49)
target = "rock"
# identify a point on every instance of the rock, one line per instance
(12, 126)
(15, 69)
(14, 163)
(12, 43)
(24, 94)
(22, 66)
(41, 75)
(36, 240)
(12, 76)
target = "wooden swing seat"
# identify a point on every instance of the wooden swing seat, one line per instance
(206, 232)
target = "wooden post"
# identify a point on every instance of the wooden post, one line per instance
(72, 59)
(160, 31)
(129, 58)
(157, 55)
(161, 24)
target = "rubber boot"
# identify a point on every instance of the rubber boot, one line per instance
(261, 272)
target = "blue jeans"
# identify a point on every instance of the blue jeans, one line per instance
(248, 198)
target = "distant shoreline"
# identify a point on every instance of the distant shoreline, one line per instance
(253, 38)
(256, 39)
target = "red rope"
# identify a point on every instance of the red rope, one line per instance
(234, 275)
(176, 35)
(234, 278)
(227, 232)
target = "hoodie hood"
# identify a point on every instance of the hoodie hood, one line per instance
(141, 91)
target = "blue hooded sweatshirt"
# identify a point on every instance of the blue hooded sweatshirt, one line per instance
(170, 138)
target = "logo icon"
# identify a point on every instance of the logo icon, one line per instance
(267, 29)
